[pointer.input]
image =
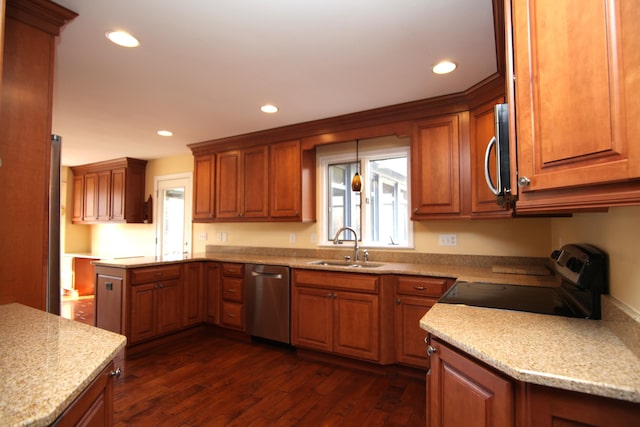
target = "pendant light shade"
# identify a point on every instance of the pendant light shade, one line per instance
(356, 182)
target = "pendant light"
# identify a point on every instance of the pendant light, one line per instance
(356, 182)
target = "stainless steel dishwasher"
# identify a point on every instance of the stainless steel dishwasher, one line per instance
(268, 302)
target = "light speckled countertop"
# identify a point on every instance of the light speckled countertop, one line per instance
(46, 361)
(572, 354)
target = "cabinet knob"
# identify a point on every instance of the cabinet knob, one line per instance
(398, 301)
(419, 288)
(415, 210)
(524, 181)
(431, 350)
(116, 373)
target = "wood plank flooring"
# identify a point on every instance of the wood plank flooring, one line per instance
(207, 380)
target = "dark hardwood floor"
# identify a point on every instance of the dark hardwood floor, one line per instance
(206, 380)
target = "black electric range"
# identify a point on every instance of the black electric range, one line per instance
(582, 269)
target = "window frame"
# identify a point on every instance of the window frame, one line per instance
(345, 153)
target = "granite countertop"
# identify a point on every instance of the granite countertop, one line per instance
(46, 362)
(573, 354)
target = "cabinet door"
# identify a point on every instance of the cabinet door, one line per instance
(285, 180)
(143, 320)
(228, 185)
(90, 196)
(464, 393)
(435, 168)
(312, 318)
(203, 188)
(103, 198)
(169, 306)
(117, 199)
(482, 129)
(212, 292)
(410, 336)
(233, 289)
(78, 199)
(255, 182)
(356, 325)
(193, 291)
(576, 117)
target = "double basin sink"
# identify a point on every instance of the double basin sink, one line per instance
(346, 264)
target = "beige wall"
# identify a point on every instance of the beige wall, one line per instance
(616, 232)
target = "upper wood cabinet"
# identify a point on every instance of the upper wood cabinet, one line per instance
(256, 183)
(285, 182)
(481, 130)
(204, 173)
(435, 168)
(242, 178)
(575, 101)
(111, 191)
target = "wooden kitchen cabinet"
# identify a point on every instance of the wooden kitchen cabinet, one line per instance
(576, 126)
(232, 298)
(212, 292)
(461, 392)
(28, 52)
(435, 168)
(204, 168)
(338, 313)
(155, 303)
(414, 296)
(94, 407)
(193, 294)
(242, 184)
(285, 180)
(111, 191)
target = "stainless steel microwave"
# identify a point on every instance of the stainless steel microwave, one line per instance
(500, 142)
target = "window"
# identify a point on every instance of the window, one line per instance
(379, 213)
(173, 216)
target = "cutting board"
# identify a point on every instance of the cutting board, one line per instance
(530, 270)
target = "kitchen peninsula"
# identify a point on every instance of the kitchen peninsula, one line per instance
(54, 369)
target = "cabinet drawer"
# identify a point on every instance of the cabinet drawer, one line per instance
(422, 286)
(232, 289)
(233, 315)
(232, 270)
(330, 279)
(153, 274)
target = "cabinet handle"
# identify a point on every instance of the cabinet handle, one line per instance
(415, 210)
(329, 295)
(158, 274)
(524, 181)
(233, 291)
(116, 373)
(161, 285)
(431, 350)
(231, 315)
(155, 286)
(419, 288)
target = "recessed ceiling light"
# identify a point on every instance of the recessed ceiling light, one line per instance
(165, 133)
(269, 109)
(122, 39)
(444, 67)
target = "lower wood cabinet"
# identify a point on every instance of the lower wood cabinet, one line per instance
(462, 391)
(94, 407)
(212, 292)
(414, 296)
(155, 302)
(339, 313)
(232, 290)
(193, 292)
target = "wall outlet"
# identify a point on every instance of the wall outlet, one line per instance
(219, 236)
(203, 236)
(224, 236)
(448, 239)
(292, 237)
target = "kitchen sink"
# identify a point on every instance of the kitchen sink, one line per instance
(347, 264)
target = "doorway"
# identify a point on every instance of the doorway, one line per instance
(173, 213)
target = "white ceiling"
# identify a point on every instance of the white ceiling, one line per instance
(205, 67)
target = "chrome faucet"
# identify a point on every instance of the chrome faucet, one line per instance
(356, 257)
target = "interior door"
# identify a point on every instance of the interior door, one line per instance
(173, 213)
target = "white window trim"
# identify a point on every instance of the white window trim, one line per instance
(348, 155)
(188, 176)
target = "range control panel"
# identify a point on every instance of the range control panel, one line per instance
(583, 265)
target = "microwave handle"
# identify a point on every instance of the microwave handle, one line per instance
(487, 176)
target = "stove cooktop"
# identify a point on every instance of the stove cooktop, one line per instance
(583, 273)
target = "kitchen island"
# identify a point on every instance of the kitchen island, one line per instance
(47, 362)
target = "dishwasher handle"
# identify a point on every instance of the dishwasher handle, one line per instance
(270, 275)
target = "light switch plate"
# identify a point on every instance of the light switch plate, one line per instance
(448, 239)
